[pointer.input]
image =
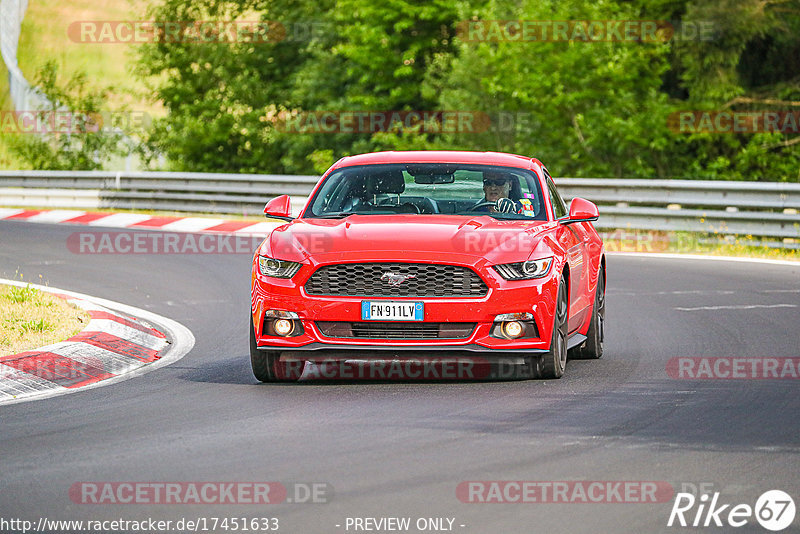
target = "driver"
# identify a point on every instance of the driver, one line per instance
(497, 185)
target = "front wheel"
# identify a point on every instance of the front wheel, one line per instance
(593, 347)
(555, 360)
(267, 365)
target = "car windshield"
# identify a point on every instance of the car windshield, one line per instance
(429, 188)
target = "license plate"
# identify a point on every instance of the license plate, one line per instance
(372, 310)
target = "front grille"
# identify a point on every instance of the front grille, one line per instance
(372, 280)
(392, 330)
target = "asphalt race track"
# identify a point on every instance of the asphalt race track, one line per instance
(400, 449)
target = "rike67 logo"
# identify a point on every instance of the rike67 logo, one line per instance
(774, 510)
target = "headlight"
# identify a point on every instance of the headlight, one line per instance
(525, 270)
(278, 268)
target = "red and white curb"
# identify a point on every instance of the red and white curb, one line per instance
(140, 221)
(119, 342)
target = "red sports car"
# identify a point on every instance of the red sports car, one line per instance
(429, 254)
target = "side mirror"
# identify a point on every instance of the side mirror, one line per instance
(581, 210)
(279, 208)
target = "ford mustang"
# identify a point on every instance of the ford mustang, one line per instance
(429, 254)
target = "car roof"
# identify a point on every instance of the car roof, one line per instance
(437, 156)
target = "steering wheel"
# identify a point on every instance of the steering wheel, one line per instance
(406, 205)
(482, 204)
(429, 205)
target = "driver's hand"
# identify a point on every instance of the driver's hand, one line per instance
(505, 205)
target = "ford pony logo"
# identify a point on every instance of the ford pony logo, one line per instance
(395, 279)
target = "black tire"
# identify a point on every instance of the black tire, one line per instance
(555, 361)
(266, 364)
(532, 367)
(592, 348)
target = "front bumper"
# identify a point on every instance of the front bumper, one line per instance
(533, 296)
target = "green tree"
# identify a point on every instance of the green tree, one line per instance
(219, 91)
(750, 61)
(72, 135)
(585, 108)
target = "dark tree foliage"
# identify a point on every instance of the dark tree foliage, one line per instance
(604, 108)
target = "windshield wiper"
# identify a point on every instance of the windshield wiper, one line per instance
(335, 215)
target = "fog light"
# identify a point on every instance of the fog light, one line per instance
(513, 329)
(283, 327)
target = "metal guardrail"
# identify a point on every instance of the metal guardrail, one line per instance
(243, 194)
(759, 209)
(765, 210)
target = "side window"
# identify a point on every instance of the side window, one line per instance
(559, 207)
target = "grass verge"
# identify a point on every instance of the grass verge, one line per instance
(31, 318)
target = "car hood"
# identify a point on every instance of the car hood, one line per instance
(406, 237)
